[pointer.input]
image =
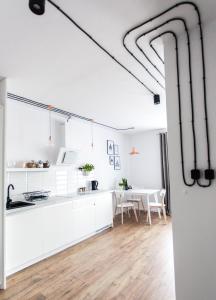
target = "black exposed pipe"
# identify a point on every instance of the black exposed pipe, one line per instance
(190, 75)
(179, 102)
(156, 52)
(65, 113)
(209, 171)
(178, 19)
(99, 45)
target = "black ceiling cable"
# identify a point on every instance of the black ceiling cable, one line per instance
(209, 173)
(65, 113)
(99, 45)
(178, 19)
(179, 103)
(190, 75)
(145, 68)
(156, 52)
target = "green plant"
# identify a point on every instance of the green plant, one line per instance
(123, 183)
(87, 167)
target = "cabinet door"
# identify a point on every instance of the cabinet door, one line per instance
(103, 211)
(58, 226)
(24, 238)
(83, 217)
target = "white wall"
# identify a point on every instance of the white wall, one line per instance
(145, 168)
(193, 209)
(27, 139)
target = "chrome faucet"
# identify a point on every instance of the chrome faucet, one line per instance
(9, 200)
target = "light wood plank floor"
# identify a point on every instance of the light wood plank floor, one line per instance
(131, 261)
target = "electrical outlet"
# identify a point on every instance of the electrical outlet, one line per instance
(195, 174)
(209, 174)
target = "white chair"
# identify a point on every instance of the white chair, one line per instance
(160, 205)
(136, 199)
(122, 205)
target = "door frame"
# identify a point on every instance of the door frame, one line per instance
(3, 97)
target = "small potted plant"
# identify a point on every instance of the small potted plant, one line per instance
(86, 169)
(124, 184)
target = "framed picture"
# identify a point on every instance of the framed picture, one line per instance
(111, 160)
(110, 147)
(117, 163)
(116, 149)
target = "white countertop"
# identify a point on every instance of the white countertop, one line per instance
(56, 200)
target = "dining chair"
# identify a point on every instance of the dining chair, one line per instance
(160, 205)
(136, 199)
(123, 205)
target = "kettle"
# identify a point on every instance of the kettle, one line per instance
(94, 185)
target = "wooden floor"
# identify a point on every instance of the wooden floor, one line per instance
(131, 261)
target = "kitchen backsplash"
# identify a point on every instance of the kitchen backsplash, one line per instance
(58, 180)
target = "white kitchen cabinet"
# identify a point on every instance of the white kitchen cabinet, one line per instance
(24, 239)
(57, 226)
(83, 217)
(83, 222)
(34, 234)
(103, 211)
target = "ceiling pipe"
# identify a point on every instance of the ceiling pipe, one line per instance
(177, 19)
(65, 113)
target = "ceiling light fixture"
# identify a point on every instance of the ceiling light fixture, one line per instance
(37, 6)
(50, 107)
(134, 151)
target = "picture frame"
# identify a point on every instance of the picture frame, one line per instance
(110, 147)
(117, 163)
(111, 160)
(116, 149)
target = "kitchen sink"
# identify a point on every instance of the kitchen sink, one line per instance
(19, 204)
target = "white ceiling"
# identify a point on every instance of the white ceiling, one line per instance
(49, 60)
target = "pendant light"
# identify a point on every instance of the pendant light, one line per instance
(134, 151)
(92, 134)
(50, 107)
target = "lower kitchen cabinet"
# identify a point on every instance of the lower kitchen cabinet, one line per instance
(57, 226)
(34, 234)
(23, 238)
(103, 211)
(83, 217)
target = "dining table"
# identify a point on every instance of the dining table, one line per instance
(143, 193)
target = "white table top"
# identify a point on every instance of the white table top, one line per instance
(141, 191)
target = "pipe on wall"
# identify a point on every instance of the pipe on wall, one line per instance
(195, 174)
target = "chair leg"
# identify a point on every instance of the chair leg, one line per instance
(149, 215)
(135, 214)
(115, 210)
(159, 214)
(128, 212)
(122, 215)
(164, 214)
(143, 205)
(138, 208)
